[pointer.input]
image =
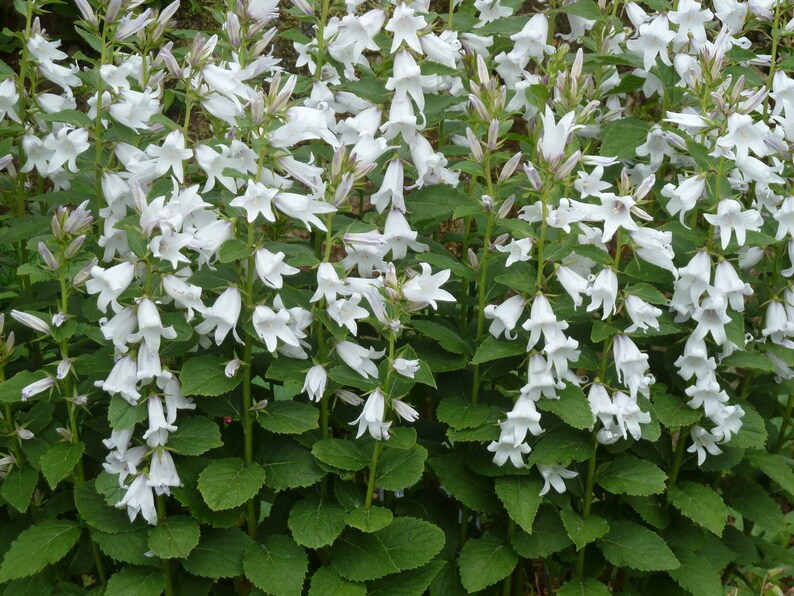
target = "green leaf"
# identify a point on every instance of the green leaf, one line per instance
(194, 436)
(448, 338)
(583, 531)
(630, 475)
(126, 547)
(407, 543)
(474, 491)
(774, 466)
(586, 9)
(623, 137)
(326, 582)
(227, 483)
(18, 486)
(561, 447)
(749, 361)
(672, 411)
(97, 513)
(548, 535)
(572, 407)
(458, 413)
(289, 465)
(635, 546)
(521, 497)
(753, 434)
(697, 574)
(495, 349)
(60, 460)
(398, 469)
(40, 545)
(751, 500)
(369, 520)
(289, 417)
(341, 454)
(233, 250)
(277, 566)
(433, 203)
(122, 415)
(584, 587)
(407, 584)
(700, 504)
(137, 581)
(204, 375)
(646, 292)
(485, 561)
(174, 537)
(316, 522)
(11, 390)
(219, 553)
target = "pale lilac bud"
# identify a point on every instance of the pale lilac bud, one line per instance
(9, 345)
(257, 107)
(80, 400)
(576, 67)
(343, 190)
(509, 168)
(533, 176)
(506, 207)
(736, 94)
(232, 367)
(487, 202)
(479, 107)
(24, 434)
(37, 387)
(58, 319)
(55, 225)
(404, 411)
(493, 134)
(753, 101)
(87, 12)
(283, 96)
(74, 246)
(31, 321)
(349, 397)
(82, 276)
(474, 145)
(568, 165)
(64, 366)
(482, 71)
(304, 7)
(645, 186)
(113, 10)
(48, 258)
(588, 109)
(65, 433)
(233, 29)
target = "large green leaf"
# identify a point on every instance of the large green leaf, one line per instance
(774, 466)
(485, 561)
(98, 514)
(630, 475)
(521, 497)
(495, 349)
(398, 469)
(572, 406)
(18, 486)
(277, 566)
(326, 582)
(635, 546)
(369, 520)
(219, 553)
(126, 547)
(40, 545)
(447, 338)
(289, 417)
(316, 522)
(204, 375)
(548, 535)
(696, 574)
(583, 531)
(60, 460)
(341, 454)
(407, 543)
(751, 500)
(227, 483)
(459, 414)
(474, 491)
(700, 504)
(288, 464)
(175, 537)
(414, 583)
(123, 415)
(194, 436)
(584, 587)
(137, 581)
(673, 412)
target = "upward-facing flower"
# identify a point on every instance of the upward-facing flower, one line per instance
(109, 284)
(171, 155)
(425, 289)
(653, 40)
(258, 199)
(555, 134)
(271, 326)
(731, 219)
(359, 359)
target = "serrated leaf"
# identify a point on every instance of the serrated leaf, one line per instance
(126, 547)
(341, 454)
(289, 465)
(750, 499)
(629, 475)
(584, 587)
(459, 414)
(585, 9)
(474, 491)
(485, 561)
(583, 531)
(97, 513)
(174, 537)
(18, 486)
(123, 415)
(137, 581)
(561, 447)
(623, 137)
(369, 520)
(289, 417)
(447, 338)
(748, 360)
(572, 407)
(398, 469)
(696, 574)
(753, 433)
(227, 483)
(635, 546)
(494, 349)
(40, 545)
(414, 583)
(548, 535)
(646, 292)
(219, 553)
(521, 497)
(672, 411)
(326, 582)
(204, 375)
(277, 566)
(233, 250)
(774, 466)
(194, 436)
(407, 543)
(700, 504)
(60, 460)
(316, 522)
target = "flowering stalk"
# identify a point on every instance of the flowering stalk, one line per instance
(98, 119)
(248, 421)
(376, 451)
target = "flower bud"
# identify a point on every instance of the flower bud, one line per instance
(82, 276)
(113, 10)
(304, 7)
(74, 246)
(576, 67)
(65, 433)
(533, 176)
(232, 27)
(479, 107)
(9, 345)
(37, 387)
(568, 166)
(487, 202)
(506, 207)
(509, 168)
(48, 258)
(31, 321)
(86, 11)
(645, 186)
(64, 366)
(232, 367)
(473, 260)
(482, 71)
(493, 134)
(753, 101)
(474, 145)
(349, 397)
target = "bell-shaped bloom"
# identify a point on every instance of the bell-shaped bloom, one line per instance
(185, 295)
(399, 237)
(732, 220)
(543, 320)
(404, 24)
(66, 145)
(109, 284)
(712, 316)
(162, 472)
(695, 361)
(505, 449)
(359, 359)
(530, 42)
(523, 418)
(703, 441)
(555, 134)
(123, 379)
(174, 399)
(257, 200)
(303, 208)
(391, 190)
(159, 427)
(653, 40)
(573, 283)
(425, 289)
(615, 212)
(371, 418)
(642, 314)
(139, 499)
(405, 367)
(119, 328)
(631, 365)
(171, 155)
(346, 311)
(271, 326)
(728, 283)
(707, 394)
(517, 250)
(629, 415)
(404, 411)
(728, 421)
(222, 316)
(271, 267)
(553, 476)
(604, 292)
(150, 326)
(328, 283)
(315, 382)
(504, 317)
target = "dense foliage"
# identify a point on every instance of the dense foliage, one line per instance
(495, 298)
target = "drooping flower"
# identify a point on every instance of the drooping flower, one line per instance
(315, 381)
(371, 418)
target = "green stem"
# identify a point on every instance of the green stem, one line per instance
(678, 457)
(248, 420)
(781, 437)
(371, 480)
(482, 293)
(161, 517)
(98, 121)
(587, 504)
(507, 583)
(544, 200)
(318, 73)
